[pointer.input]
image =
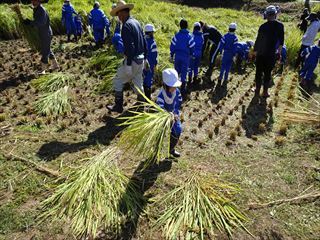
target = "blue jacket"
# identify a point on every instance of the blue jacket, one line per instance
(98, 20)
(135, 46)
(242, 49)
(42, 23)
(152, 51)
(117, 43)
(228, 43)
(182, 45)
(67, 13)
(170, 102)
(312, 55)
(199, 41)
(78, 22)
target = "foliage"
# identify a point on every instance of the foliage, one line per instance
(55, 103)
(147, 134)
(106, 64)
(198, 207)
(29, 33)
(96, 195)
(9, 23)
(293, 43)
(52, 82)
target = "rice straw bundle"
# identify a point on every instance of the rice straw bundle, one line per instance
(52, 82)
(147, 134)
(94, 196)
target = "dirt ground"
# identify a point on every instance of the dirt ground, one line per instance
(226, 133)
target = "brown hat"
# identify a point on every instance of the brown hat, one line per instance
(121, 5)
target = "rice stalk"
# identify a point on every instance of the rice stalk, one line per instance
(29, 33)
(95, 196)
(52, 82)
(54, 104)
(147, 134)
(306, 111)
(197, 208)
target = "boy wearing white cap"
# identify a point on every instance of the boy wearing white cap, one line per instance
(170, 99)
(196, 59)
(152, 57)
(228, 46)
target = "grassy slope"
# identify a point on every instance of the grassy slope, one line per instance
(263, 171)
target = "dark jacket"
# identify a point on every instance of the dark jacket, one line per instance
(41, 20)
(270, 34)
(212, 35)
(135, 46)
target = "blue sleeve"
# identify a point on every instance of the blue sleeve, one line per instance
(90, 19)
(106, 23)
(63, 14)
(305, 52)
(154, 53)
(191, 45)
(160, 100)
(179, 103)
(73, 11)
(173, 46)
(222, 44)
(128, 44)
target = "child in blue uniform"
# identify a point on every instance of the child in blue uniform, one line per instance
(117, 40)
(152, 59)
(99, 23)
(312, 56)
(195, 61)
(170, 99)
(182, 49)
(68, 20)
(242, 52)
(227, 45)
(78, 23)
(282, 56)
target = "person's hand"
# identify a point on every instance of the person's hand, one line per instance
(176, 117)
(128, 70)
(171, 59)
(27, 21)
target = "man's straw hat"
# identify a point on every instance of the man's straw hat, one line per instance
(120, 6)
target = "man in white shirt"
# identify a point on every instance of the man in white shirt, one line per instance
(310, 35)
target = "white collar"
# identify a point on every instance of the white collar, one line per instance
(167, 99)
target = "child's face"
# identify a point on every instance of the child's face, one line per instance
(171, 89)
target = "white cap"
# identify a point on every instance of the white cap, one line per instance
(149, 28)
(170, 77)
(271, 10)
(250, 43)
(233, 26)
(196, 24)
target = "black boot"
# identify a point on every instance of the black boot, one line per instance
(69, 36)
(173, 142)
(147, 92)
(118, 106)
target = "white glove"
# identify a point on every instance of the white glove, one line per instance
(128, 70)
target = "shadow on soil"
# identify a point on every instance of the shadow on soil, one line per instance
(144, 179)
(103, 135)
(256, 118)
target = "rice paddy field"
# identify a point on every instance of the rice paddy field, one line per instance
(64, 176)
